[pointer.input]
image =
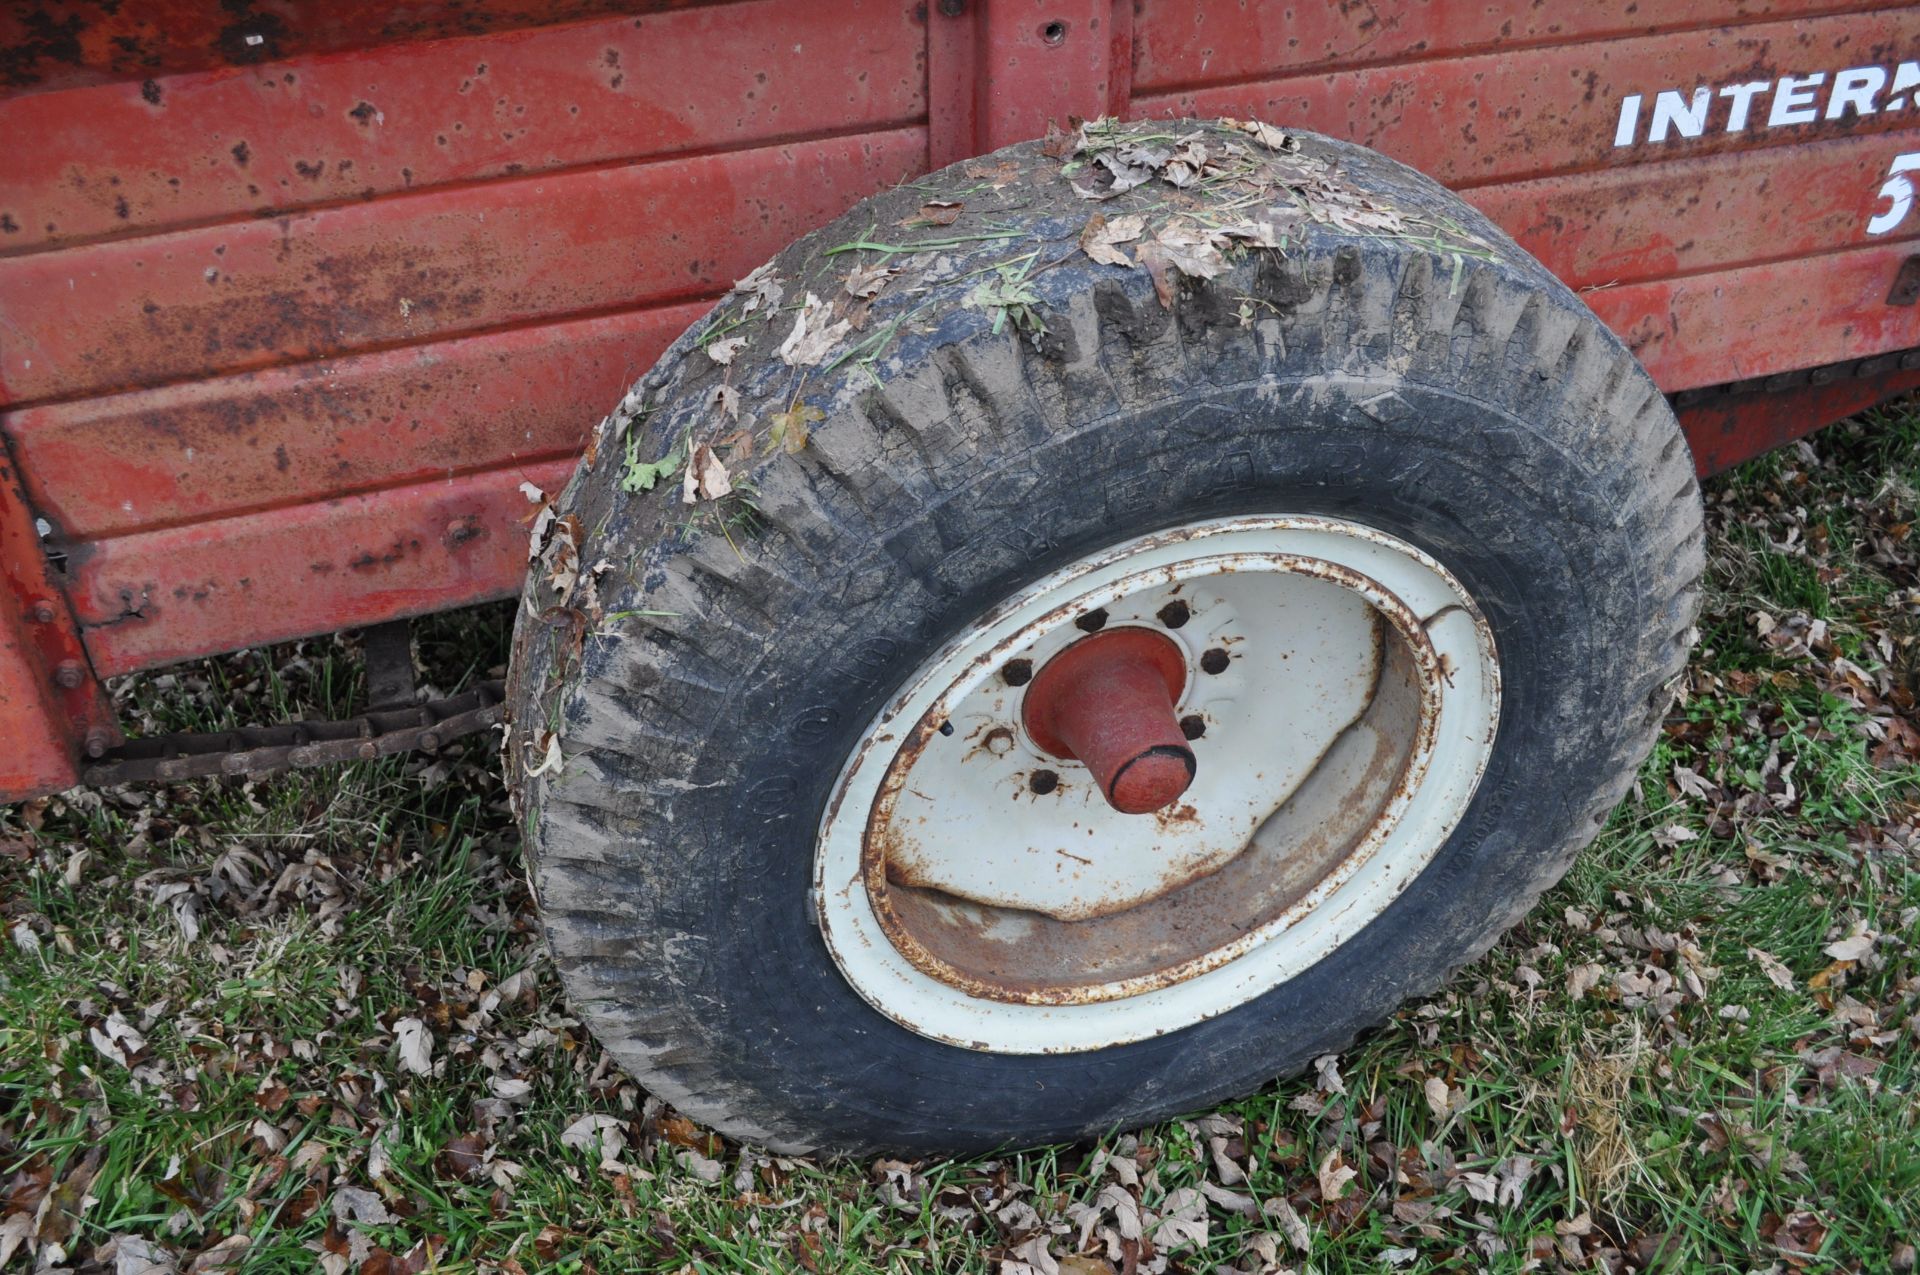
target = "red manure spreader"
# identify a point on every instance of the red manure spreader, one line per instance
(1072, 555)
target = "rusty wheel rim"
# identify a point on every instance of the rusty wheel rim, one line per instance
(1341, 697)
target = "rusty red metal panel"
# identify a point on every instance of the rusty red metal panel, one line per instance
(1048, 60)
(1727, 429)
(1503, 117)
(1755, 321)
(249, 294)
(1651, 221)
(137, 157)
(1200, 42)
(209, 449)
(160, 596)
(1000, 73)
(73, 42)
(51, 706)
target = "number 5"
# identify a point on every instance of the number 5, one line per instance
(1899, 191)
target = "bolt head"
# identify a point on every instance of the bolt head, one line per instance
(42, 613)
(69, 675)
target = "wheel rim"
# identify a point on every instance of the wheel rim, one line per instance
(1340, 698)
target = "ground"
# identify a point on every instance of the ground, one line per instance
(306, 1020)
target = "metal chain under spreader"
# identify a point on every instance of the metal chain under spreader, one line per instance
(386, 731)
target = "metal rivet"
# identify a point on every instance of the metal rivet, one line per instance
(1054, 32)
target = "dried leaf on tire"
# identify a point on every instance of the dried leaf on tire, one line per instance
(1267, 135)
(722, 352)
(763, 290)
(813, 337)
(550, 758)
(791, 429)
(1190, 252)
(1101, 235)
(706, 479)
(865, 282)
(936, 212)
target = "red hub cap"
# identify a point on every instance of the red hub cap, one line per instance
(1107, 702)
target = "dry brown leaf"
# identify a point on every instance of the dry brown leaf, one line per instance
(791, 429)
(723, 351)
(1101, 235)
(865, 282)
(936, 212)
(1334, 1175)
(706, 477)
(763, 290)
(813, 337)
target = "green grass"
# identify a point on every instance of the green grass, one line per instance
(1623, 1081)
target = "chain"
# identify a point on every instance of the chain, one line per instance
(253, 750)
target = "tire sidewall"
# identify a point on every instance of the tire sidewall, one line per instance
(1528, 532)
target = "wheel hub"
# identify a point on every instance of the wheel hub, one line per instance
(1156, 783)
(1107, 702)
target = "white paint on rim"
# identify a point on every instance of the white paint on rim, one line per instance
(1224, 561)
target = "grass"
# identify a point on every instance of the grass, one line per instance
(1666, 1066)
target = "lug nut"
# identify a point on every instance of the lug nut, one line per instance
(1042, 782)
(1215, 661)
(1017, 672)
(1193, 726)
(1174, 614)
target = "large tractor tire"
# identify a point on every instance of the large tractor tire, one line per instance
(1086, 633)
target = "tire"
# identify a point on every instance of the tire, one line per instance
(705, 701)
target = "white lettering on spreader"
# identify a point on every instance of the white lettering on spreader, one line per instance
(1789, 102)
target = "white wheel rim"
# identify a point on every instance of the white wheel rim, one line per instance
(1343, 742)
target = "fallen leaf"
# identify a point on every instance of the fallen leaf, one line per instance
(865, 282)
(1266, 134)
(723, 352)
(725, 400)
(791, 429)
(763, 290)
(936, 212)
(706, 478)
(1101, 234)
(813, 337)
(1774, 968)
(1439, 1097)
(1334, 1175)
(415, 1043)
(1855, 947)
